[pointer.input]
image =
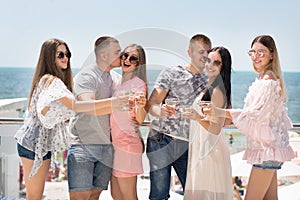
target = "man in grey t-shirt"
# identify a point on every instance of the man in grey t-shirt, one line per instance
(91, 154)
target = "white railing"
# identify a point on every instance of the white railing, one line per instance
(9, 160)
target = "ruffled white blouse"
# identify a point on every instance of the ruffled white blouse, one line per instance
(265, 122)
(42, 133)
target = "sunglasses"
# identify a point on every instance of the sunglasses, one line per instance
(259, 53)
(132, 59)
(61, 55)
(215, 63)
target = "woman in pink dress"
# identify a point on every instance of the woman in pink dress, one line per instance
(264, 121)
(126, 138)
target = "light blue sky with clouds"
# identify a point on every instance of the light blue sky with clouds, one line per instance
(25, 25)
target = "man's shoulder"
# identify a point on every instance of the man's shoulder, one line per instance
(86, 73)
(87, 70)
(172, 69)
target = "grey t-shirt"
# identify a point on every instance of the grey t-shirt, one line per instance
(184, 85)
(90, 129)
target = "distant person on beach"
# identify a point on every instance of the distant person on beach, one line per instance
(236, 193)
(230, 139)
(50, 105)
(263, 120)
(126, 137)
(209, 154)
(90, 157)
(167, 143)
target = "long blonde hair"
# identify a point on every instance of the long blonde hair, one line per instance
(274, 65)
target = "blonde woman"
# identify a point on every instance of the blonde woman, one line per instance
(264, 121)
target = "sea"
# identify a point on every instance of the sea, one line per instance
(16, 82)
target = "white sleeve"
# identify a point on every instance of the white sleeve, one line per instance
(49, 97)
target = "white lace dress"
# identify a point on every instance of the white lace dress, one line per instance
(209, 168)
(43, 133)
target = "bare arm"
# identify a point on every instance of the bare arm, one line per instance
(88, 104)
(213, 124)
(154, 107)
(100, 107)
(140, 111)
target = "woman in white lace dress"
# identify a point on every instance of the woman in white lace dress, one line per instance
(209, 168)
(264, 121)
(51, 104)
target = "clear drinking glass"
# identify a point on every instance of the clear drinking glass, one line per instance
(172, 102)
(204, 104)
(122, 94)
(138, 94)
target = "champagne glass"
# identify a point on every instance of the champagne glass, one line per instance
(138, 94)
(173, 102)
(122, 95)
(204, 104)
(132, 97)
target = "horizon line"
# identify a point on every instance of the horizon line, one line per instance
(233, 70)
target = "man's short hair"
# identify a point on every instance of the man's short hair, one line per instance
(102, 42)
(200, 38)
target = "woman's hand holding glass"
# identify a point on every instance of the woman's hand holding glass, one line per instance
(140, 99)
(204, 105)
(213, 111)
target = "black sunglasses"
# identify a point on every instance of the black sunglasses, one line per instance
(214, 63)
(132, 59)
(61, 55)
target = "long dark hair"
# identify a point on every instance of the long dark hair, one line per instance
(46, 65)
(223, 80)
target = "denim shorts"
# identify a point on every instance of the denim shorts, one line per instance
(23, 152)
(270, 164)
(89, 167)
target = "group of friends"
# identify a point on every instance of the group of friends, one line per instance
(103, 111)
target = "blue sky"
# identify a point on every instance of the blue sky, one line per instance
(25, 25)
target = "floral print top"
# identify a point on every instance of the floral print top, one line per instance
(43, 133)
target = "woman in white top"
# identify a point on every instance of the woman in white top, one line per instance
(209, 168)
(51, 104)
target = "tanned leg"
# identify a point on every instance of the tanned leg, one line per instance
(85, 195)
(95, 194)
(128, 188)
(115, 189)
(35, 185)
(272, 191)
(259, 183)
